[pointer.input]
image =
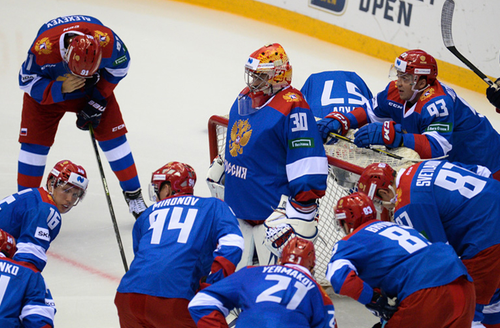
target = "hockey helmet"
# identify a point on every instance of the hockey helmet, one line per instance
(417, 63)
(7, 244)
(181, 177)
(374, 177)
(355, 209)
(299, 251)
(83, 55)
(67, 172)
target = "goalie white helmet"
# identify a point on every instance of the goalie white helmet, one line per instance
(286, 223)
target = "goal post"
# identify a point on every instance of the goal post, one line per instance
(346, 162)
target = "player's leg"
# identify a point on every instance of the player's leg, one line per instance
(248, 253)
(110, 134)
(492, 312)
(130, 307)
(263, 253)
(37, 132)
(168, 312)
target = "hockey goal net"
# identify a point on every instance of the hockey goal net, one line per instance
(346, 163)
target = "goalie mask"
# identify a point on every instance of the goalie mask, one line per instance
(83, 56)
(267, 71)
(7, 244)
(354, 210)
(180, 176)
(299, 251)
(376, 176)
(65, 173)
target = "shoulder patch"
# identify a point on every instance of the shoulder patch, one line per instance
(441, 127)
(43, 46)
(292, 97)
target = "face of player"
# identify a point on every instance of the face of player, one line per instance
(408, 85)
(387, 196)
(65, 196)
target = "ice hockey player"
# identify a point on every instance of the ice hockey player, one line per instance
(396, 273)
(448, 203)
(74, 65)
(335, 91)
(23, 291)
(419, 112)
(33, 216)
(273, 149)
(284, 295)
(181, 243)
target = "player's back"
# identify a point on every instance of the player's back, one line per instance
(339, 91)
(23, 296)
(396, 258)
(174, 242)
(275, 296)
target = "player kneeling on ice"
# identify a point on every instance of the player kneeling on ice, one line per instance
(399, 275)
(284, 295)
(23, 291)
(181, 243)
(33, 216)
(448, 203)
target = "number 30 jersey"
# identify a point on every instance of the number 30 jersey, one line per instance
(448, 203)
(269, 296)
(396, 259)
(179, 240)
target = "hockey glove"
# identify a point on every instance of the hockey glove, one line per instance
(91, 81)
(334, 122)
(493, 94)
(91, 114)
(382, 306)
(388, 133)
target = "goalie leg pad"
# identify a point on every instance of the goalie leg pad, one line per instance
(215, 178)
(249, 244)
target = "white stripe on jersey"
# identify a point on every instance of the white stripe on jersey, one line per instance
(445, 145)
(336, 265)
(202, 299)
(29, 248)
(232, 240)
(44, 311)
(307, 166)
(118, 72)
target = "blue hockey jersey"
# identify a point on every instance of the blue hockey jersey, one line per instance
(22, 297)
(33, 219)
(269, 296)
(448, 203)
(396, 259)
(43, 72)
(275, 151)
(439, 123)
(179, 240)
(335, 91)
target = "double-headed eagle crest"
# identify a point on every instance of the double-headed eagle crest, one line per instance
(240, 135)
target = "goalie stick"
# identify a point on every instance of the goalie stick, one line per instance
(108, 198)
(446, 32)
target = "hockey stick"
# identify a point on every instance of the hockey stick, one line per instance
(341, 137)
(108, 198)
(446, 31)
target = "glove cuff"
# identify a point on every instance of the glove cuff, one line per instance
(342, 119)
(392, 134)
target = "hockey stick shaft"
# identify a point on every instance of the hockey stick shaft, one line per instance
(446, 32)
(108, 198)
(341, 137)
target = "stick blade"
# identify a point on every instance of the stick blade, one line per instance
(446, 23)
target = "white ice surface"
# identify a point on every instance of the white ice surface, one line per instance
(187, 64)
